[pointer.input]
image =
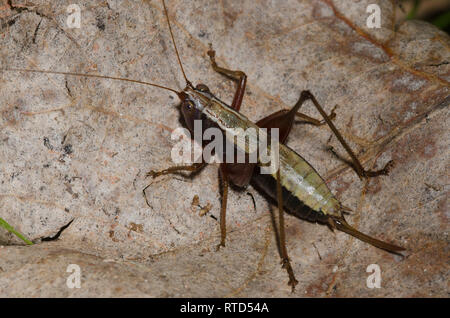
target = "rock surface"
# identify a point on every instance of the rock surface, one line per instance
(77, 149)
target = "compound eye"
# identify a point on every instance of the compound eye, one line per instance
(189, 105)
(202, 88)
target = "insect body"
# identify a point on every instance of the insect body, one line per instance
(295, 185)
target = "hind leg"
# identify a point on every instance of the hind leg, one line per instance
(355, 163)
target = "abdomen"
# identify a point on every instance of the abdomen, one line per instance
(305, 193)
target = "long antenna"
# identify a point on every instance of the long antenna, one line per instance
(89, 75)
(174, 45)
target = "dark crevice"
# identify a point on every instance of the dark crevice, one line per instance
(57, 235)
(20, 10)
(24, 9)
(36, 31)
(68, 90)
(176, 230)
(8, 23)
(439, 64)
